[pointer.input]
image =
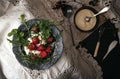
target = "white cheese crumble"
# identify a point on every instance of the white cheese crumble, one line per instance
(35, 52)
(27, 51)
(29, 39)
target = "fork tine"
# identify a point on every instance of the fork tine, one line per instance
(101, 31)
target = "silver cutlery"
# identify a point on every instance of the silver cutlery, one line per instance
(105, 9)
(101, 30)
(110, 48)
(68, 12)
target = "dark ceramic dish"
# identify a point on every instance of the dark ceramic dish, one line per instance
(94, 11)
(57, 51)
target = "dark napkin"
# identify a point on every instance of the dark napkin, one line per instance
(111, 65)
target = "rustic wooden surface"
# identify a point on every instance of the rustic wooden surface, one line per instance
(43, 9)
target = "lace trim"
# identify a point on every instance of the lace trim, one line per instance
(35, 74)
(73, 72)
(89, 59)
(14, 2)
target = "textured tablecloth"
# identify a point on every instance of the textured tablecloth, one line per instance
(73, 64)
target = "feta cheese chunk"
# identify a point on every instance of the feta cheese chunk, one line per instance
(27, 51)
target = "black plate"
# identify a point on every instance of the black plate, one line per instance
(94, 11)
(57, 52)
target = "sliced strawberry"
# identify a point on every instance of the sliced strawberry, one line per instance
(40, 47)
(32, 46)
(33, 58)
(50, 39)
(35, 29)
(43, 54)
(48, 49)
(35, 40)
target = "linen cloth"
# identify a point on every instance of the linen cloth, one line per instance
(8, 21)
(10, 66)
(80, 66)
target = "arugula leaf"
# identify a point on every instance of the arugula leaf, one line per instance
(14, 42)
(44, 27)
(23, 20)
(19, 38)
(14, 31)
(22, 17)
(21, 34)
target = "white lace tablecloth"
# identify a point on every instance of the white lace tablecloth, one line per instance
(73, 64)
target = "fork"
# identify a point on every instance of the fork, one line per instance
(101, 30)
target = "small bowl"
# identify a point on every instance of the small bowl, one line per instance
(91, 10)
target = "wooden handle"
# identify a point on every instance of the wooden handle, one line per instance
(96, 49)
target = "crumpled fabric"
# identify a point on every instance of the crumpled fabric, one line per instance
(115, 9)
(8, 21)
(71, 65)
(10, 67)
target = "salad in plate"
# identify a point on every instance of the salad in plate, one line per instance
(37, 43)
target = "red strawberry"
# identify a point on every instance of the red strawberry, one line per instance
(33, 58)
(32, 46)
(40, 47)
(35, 40)
(48, 49)
(43, 54)
(35, 29)
(50, 39)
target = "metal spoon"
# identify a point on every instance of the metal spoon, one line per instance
(111, 46)
(67, 12)
(105, 9)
